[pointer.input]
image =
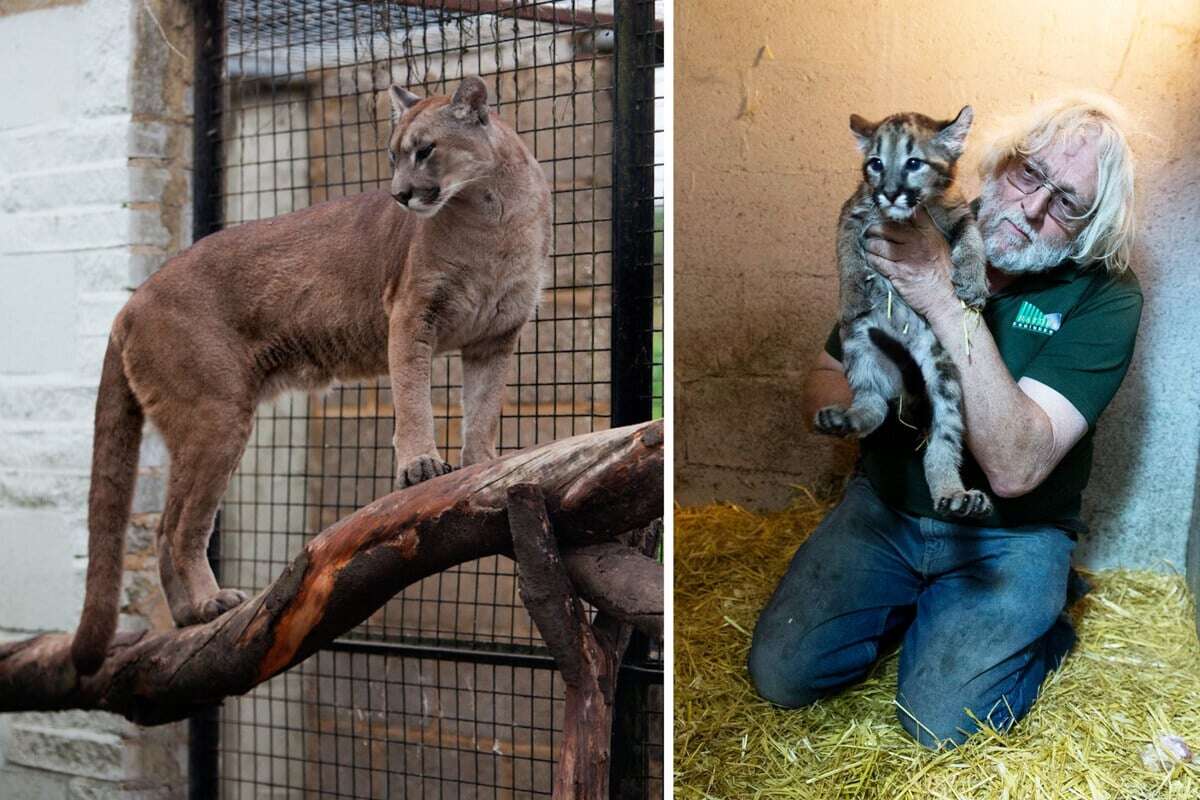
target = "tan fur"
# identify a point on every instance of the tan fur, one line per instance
(348, 289)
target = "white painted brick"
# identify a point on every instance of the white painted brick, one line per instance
(70, 142)
(35, 549)
(37, 311)
(103, 270)
(74, 751)
(54, 53)
(97, 310)
(107, 183)
(95, 721)
(23, 783)
(44, 489)
(66, 229)
(146, 227)
(88, 789)
(89, 355)
(46, 446)
(149, 139)
(144, 264)
(30, 489)
(147, 183)
(60, 399)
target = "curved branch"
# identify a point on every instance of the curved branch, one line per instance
(596, 486)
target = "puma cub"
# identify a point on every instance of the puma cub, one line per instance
(452, 258)
(909, 161)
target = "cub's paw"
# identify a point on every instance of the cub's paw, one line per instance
(833, 421)
(975, 297)
(421, 468)
(968, 503)
(218, 604)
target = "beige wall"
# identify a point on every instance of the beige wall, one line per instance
(764, 159)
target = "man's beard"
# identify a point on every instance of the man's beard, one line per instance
(1020, 256)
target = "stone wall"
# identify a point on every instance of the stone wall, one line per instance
(764, 161)
(95, 146)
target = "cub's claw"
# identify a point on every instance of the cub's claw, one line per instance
(968, 503)
(420, 469)
(833, 421)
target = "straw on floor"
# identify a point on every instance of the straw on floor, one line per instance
(1133, 677)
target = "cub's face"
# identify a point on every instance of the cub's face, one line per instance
(909, 159)
(438, 145)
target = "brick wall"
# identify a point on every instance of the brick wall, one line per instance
(94, 152)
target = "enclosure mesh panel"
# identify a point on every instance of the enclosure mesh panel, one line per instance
(303, 117)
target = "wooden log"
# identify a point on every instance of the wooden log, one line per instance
(596, 486)
(621, 582)
(587, 654)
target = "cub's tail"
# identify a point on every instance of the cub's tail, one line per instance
(110, 500)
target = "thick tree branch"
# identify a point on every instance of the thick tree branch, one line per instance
(544, 586)
(595, 486)
(587, 653)
(621, 582)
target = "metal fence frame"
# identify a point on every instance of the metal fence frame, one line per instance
(637, 51)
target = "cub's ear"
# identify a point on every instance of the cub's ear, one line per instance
(953, 135)
(470, 100)
(863, 131)
(402, 100)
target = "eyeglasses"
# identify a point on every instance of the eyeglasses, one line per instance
(1063, 208)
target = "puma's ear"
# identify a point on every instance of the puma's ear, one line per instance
(470, 100)
(863, 131)
(402, 100)
(953, 135)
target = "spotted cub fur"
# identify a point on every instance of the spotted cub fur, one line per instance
(908, 162)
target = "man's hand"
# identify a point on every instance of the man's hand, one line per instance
(915, 257)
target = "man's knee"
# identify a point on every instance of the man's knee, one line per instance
(774, 679)
(779, 679)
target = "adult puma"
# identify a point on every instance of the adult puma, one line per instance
(452, 258)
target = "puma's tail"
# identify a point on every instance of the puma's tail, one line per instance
(114, 470)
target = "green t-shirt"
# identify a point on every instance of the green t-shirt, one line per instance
(1070, 329)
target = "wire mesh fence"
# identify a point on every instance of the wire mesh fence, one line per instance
(446, 690)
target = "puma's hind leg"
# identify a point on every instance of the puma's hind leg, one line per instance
(943, 451)
(204, 455)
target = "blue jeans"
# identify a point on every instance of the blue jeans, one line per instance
(978, 613)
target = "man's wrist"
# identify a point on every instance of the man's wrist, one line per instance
(946, 317)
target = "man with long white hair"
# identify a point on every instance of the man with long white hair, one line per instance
(978, 607)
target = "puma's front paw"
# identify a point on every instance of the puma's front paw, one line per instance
(833, 421)
(421, 468)
(968, 503)
(215, 606)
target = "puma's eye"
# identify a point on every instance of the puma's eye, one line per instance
(425, 152)
(874, 164)
(913, 164)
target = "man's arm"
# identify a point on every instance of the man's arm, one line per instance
(1017, 432)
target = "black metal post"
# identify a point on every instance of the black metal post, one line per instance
(206, 83)
(635, 56)
(633, 211)
(204, 729)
